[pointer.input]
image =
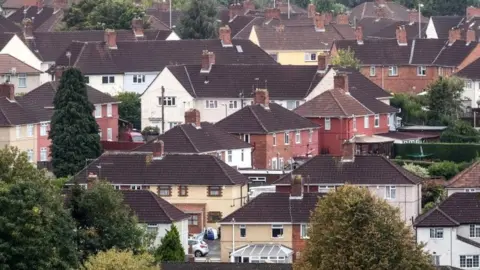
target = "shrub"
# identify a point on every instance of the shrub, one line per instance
(150, 130)
(417, 170)
(447, 169)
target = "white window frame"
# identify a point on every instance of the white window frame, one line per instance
(310, 56)
(22, 80)
(436, 233)
(30, 130)
(136, 187)
(366, 121)
(298, 137)
(281, 163)
(436, 259)
(44, 128)
(244, 228)
(110, 79)
(304, 231)
(421, 71)
(286, 137)
(373, 71)
(173, 124)
(277, 227)
(476, 230)
(229, 156)
(274, 139)
(232, 104)
(392, 71)
(354, 123)
(245, 137)
(376, 121)
(328, 123)
(168, 101)
(109, 134)
(468, 84)
(43, 154)
(166, 191)
(100, 133)
(468, 258)
(310, 135)
(109, 110)
(389, 195)
(292, 104)
(30, 155)
(211, 104)
(274, 164)
(138, 79)
(98, 110)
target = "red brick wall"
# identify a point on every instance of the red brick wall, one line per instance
(106, 122)
(298, 244)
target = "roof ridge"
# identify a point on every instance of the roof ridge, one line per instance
(223, 169)
(254, 18)
(361, 104)
(258, 119)
(189, 80)
(447, 216)
(338, 103)
(440, 52)
(155, 197)
(457, 177)
(79, 55)
(188, 138)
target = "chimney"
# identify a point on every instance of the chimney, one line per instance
(272, 13)
(296, 189)
(225, 34)
(470, 36)
(359, 35)
(380, 12)
(319, 21)
(280, 28)
(137, 26)
(472, 12)
(328, 17)
(261, 97)
(322, 63)
(348, 152)
(91, 180)
(340, 81)
(7, 90)
(27, 28)
(235, 10)
(311, 10)
(110, 38)
(342, 19)
(453, 35)
(413, 16)
(380, 3)
(158, 149)
(248, 5)
(60, 4)
(192, 116)
(208, 60)
(401, 34)
(58, 73)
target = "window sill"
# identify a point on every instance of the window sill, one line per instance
(277, 237)
(22, 87)
(373, 75)
(393, 75)
(214, 195)
(97, 117)
(421, 75)
(305, 238)
(309, 61)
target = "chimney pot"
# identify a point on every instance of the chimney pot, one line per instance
(348, 152)
(262, 97)
(340, 81)
(208, 60)
(137, 26)
(296, 189)
(91, 180)
(7, 90)
(342, 19)
(110, 38)
(27, 28)
(359, 35)
(192, 116)
(470, 36)
(311, 10)
(158, 149)
(401, 34)
(225, 34)
(319, 21)
(453, 35)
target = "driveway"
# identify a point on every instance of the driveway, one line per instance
(214, 247)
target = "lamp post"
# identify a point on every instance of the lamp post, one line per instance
(419, 20)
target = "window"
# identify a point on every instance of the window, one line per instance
(43, 154)
(229, 156)
(274, 164)
(193, 220)
(30, 130)
(214, 191)
(277, 231)
(109, 134)
(327, 123)
(468, 84)
(280, 164)
(436, 233)
(152, 229)
(213, 217)
(211, 104)
(376, 122)
(87, 79)
(243, 231)
(135, 187)
(43, 129)
(257, 180)
(470, 190)
(117, 187)
(436, 259)
(109, 110)
(298, 138)
(391, 192)
(365, 121)
(354, 123)
(22, 80)
(309, 56)
(164, 191)
(421, 71)
(98, 111)
(18, 130)
(183, 191)
(393, 71)
(304, 231)
(474, 231)
(242, 155)
(167, 101)
(287, 137)
(274, 139)
(469, 261)
(30, 155)
(373, 71)
(292, 104)
(137, 79)
(232, 104)
(310, 135)
(245, 138)
(274, 56)
(108, 79)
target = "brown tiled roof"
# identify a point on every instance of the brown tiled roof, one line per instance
(393, 11)
(443, 24)
(151, 209)
(244, 33)
(256, 119)
(97, 58)
(164, 16)
(53, 23)
(364, 170)
(4, 39)
(227, 266)
(472, 71)
(32, 12)
(285, 82)
(189, 139)
(134, 168)
(7, 26)
(468, 178)
(7, 62)
(13, 113)
(240, 22)
(389, 30)
(453, 55)
(378, 51)
(264, 209)
(459, 208)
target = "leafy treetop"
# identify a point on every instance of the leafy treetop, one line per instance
(114, 259)
(346, 58)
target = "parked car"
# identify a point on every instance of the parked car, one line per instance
(199, 247)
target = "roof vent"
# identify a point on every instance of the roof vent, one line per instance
(239, 48)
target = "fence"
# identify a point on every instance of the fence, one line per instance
(456, 152)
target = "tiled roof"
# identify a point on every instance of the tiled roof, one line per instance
(389, 30)
(38, 18)
(244, 33)
(264, 209)
(392, 10)
(4, 39)
(7, 26)
(378, 51)
(453, 55)
(135, 168)
(13, 113)
(226, 266)
(189, 139)
(97, 58)
(472, 71)
(240, 22)
(151, 209)
(468, 178)
(256, 119)
(443, 24)
(53, 23)
(164, 16)
(7, 62)
(459, 208)
(285, 82)
(426, 50)
(364, 170)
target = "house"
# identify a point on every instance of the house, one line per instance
(201, 185)
(357, 115)
(439, 26)
(131, 66)
(196, 137)
(228, 266)
(13, 45)
(378, 174)
(7, 26)
(467, 180)
(43, 18)
(450, 231)
(276, 133)
(258, 232)
(409, 66)
(26, 119)
(23, 76)
(471, 88)
(385, 28)
(219, 90)
(383, 9)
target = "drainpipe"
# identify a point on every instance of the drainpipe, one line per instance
(233, 236)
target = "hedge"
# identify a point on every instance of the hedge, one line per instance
(456, 152)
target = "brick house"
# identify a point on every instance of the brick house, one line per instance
(341, 116)
(276, 133)
(409, 66)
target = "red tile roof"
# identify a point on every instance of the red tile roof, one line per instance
(468, 178)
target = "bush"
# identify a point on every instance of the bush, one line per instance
(456, 152)
(447, 169)
(421, 163)
(417, 170)
(150, 130)
(460, 132)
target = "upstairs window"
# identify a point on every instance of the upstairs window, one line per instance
(474, 231)
(138, 79)
(373, 71)
(327, 123)
(243, 231)
(365, 121)
(108, 79)
(277, 231)
(22, 80)
(183, 191)
(30, 130)
(468, 84)
(390, 192)
(436, 233)
(287, 138)
(43, 128)
(109, 110)
(274, 139)
(211, 104)
(165, 191)
(98, 111)
(377, 121)
(421, 71)
(310, 57)
(214, 191)
(232, 104)
(393, 71)
(298, 137)
(167, 101)
(304, 231)
(310, 136)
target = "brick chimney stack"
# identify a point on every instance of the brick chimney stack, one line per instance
(158, 149)
(380, 12)
(192, 116)
(261, 97)
(348, 152)
(328, 17)
(296, 189)
(340, 81)
(235, 10)
(470, 36)
(472, 12)
(7, 90)
(39, 6)
(453, 35)
(272, 13)
(27, 28)
(322, 63)
(401, 34)
(413, 16)
(58, 73)
(92, 179)
(161, 6)
(311, 11)
(359, 35)
(110, 38)
(319, 21)
(225, 35)
(342, 19)
(137, 26)
(208, 60)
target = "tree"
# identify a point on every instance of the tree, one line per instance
(432, 195)
(103, 221)
(199, 21)
(324, 5)
(303, 3)
(417, 170)
(171, 249)
(36, 232)
(460, 132)
(444, 99)
(74, 131)
(412, 108)
(346, 58)
(446, 169)
(111, 14)
(130, 108)
(120, 260)
(354, 229)
(445, 7)
(14, 166)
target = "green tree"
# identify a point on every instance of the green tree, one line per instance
(432, 194)
(120, 260)
(14, 166)
(36, 232)
(412, 108)
(354, 229)
(324, 5)
(445, 7)
(460, 132)
(444, 100)
(446, 169)
(346, 58)
(74, 131)
(130, 108)
(103, 221)
(171, 249)
(417, 170)
(199, 21)
(302, 3)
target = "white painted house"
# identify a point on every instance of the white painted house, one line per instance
(471, 89)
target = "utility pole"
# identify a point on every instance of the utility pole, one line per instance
(419, 20)
(170, 11)
(163, 109)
